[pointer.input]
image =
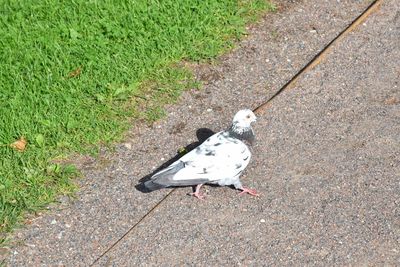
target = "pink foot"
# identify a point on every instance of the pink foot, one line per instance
(249, 191)
(197, 193)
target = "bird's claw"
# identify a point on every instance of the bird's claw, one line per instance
(197, 195)
(249, 191)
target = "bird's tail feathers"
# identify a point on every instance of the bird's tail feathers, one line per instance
(163, 178)
(152, 186)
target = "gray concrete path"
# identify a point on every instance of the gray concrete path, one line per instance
(327, 163)
(326, 160)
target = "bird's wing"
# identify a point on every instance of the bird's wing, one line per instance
(167, 177)
(217, 158)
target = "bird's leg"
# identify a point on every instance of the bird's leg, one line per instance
(249, 191)
(197, 193)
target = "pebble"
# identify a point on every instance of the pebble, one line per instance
(128, 145)
(59, 236)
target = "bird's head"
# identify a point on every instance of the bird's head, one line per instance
(243, 119)
(241, 125)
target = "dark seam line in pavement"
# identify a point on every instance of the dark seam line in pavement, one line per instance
(319, 57)
(315, 61)
(133, 227)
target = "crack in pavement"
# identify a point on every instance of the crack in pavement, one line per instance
(133, 227)
(321, 54)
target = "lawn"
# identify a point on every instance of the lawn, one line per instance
(73, 74)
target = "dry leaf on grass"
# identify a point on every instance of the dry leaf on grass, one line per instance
(20, 144)
(75, 73)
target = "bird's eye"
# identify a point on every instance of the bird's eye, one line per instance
(248, 116)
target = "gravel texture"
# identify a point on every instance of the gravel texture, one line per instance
(322, 161)
(327, 163)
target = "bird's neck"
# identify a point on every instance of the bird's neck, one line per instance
(241, 133)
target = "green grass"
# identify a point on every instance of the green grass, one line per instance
(73, 74)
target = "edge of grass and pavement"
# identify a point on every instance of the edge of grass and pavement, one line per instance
(108, 211)
(73, 76)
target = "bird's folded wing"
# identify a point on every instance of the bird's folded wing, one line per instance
(214, 162)
(168, 176)
(217, 158)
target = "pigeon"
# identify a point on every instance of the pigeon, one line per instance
(220, 160)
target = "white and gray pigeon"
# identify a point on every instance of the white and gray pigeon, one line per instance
(219, 160)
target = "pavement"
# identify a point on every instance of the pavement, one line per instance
(326, 160)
